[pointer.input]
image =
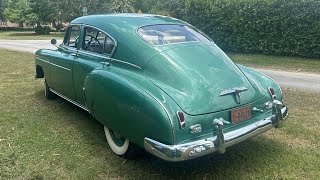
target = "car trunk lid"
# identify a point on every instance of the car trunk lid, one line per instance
(200, 78)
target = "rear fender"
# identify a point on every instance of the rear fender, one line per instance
(263, 81)
(126, 108)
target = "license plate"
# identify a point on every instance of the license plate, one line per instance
(240, 114)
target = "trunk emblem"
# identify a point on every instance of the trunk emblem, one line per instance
(235, 91)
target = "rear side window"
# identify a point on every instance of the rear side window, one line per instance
(72, 36)
(170, 33)
(97, 41)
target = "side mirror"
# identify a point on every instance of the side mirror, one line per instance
(53, 41)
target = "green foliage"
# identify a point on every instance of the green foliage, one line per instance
(174, 8)
(120, 6)
(15, 29)
(68, 10)
(3, 5)
(17, 11)
(42, 30)
(259, 26)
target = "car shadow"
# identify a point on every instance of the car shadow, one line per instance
(236, 162)
(253, 154)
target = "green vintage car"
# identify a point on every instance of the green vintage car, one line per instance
(159, 84)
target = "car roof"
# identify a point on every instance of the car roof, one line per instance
(135, 20)
(122, 27)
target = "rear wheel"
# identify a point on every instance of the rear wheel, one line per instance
(47, 93)
(120, 145)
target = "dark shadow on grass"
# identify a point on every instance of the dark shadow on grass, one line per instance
(81, 119)
(237, 161)
(22, 34)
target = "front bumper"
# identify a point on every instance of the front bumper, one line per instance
(220, 141)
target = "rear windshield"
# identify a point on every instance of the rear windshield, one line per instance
(169, 34)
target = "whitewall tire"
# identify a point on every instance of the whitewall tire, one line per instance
(118, 144)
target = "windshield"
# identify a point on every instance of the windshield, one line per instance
(168, 34)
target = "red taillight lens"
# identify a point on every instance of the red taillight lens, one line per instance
(272, 93)
(181, 119)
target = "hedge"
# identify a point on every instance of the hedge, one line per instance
(279, 27)
(15, 29)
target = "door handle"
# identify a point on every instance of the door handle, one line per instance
(73, 54)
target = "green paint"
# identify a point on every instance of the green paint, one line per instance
(139, 92)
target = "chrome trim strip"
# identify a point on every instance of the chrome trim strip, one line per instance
(53, 64)
(124, 62)
(108, 58)
(81, 51)
(216, 143)
(73, 102)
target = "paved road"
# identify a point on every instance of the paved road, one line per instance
(296, 80)
(27, 45)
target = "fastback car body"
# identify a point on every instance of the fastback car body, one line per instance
(160, 84)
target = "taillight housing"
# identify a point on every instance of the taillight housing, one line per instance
(272, 93)
(181, 119)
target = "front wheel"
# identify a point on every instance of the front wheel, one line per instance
(120, 145)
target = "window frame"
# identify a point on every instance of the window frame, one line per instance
(66, 38)
(188, 25)
(107, 35)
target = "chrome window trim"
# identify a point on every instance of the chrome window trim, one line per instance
(196, 29)
(68, 47)
(71, 49)
(71, 101)
(111, 37)
(53, 64)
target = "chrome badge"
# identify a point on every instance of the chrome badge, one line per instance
(235, 91)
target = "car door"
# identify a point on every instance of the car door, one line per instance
(95, 50)
(61, 73)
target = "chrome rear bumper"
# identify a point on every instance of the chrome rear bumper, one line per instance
(220, 141)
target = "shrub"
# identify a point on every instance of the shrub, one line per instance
(278, 27)
(15, 29)
(42, 30)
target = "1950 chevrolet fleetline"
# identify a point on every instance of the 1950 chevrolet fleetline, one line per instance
(160, 84)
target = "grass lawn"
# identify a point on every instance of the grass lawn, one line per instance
(277, 62)
(42, 139)
(29, 35)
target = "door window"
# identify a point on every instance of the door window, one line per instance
(72, 36)
(97, 41)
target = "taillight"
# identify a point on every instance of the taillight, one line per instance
(181, 119)
(272, 93)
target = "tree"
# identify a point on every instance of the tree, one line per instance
(121, 6)
(173, 8)
(3, 5)
(17, 11)
(71, 9)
